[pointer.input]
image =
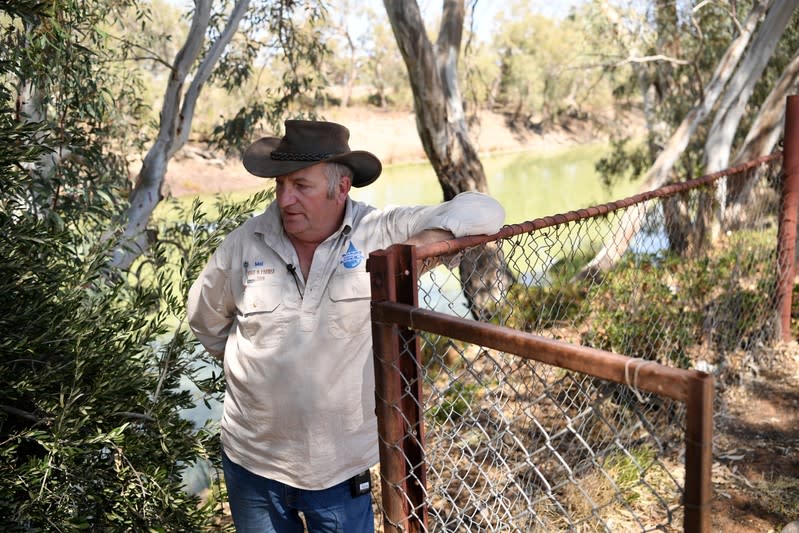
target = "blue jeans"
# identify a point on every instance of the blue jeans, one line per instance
(261, 505)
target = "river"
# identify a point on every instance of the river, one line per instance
(528, 185)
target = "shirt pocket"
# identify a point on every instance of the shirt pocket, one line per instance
(350, 294)
(261, 319)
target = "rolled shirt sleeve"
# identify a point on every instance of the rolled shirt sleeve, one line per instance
(468, 213)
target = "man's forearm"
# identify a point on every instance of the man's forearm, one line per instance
(430, 236)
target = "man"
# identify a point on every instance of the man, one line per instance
(285, 301)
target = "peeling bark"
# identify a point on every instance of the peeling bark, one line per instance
(736, 95)
(630, 222)
(177, 113)
(732, 106)
(770, 120)
(761, 140)
(443, 130)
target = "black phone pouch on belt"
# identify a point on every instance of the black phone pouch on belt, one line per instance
(361, 484)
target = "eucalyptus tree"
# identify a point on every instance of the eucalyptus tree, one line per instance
(222, 44)
(346, 63)
(383, 68)
(748, 43)
(768, 123)
(543, 62)
(444, 132)
(58, 72)
(739, 89)
(675, 48)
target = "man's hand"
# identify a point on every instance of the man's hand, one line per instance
(430, 236)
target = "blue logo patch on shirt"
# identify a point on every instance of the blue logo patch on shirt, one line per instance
(259, 263)
(352, 257)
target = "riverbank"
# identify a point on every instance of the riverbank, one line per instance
(392, 137)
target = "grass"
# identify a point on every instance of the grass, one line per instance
(623, 489)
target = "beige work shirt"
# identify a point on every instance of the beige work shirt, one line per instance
(299, 403)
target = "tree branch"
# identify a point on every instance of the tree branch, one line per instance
(20, 413)
(153, 57)
(732, 105)
(139, 416)
(653, 59)
(204, 72)
(147, 191)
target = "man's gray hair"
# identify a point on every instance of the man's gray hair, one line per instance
(334, 173)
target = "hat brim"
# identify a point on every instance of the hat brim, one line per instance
(366, 167)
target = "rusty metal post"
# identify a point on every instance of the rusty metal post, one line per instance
(786, 239)
(398, 389)
(699, 455)
(388, 394)
(411, 369)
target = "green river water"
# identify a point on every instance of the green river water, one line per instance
(528, 185)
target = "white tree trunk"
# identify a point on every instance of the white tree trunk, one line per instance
(31, 109)
(761, 139)
(658, 174)
(441, 123)
(770, 120)
(732, 106)
(718, 145)
(177, 113)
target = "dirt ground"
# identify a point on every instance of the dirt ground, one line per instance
(756, 447)
(756, 435)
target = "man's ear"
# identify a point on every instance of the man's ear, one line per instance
(344, 187)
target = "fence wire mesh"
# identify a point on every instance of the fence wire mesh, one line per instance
(684, 276)
(514, 445)
(693, 276)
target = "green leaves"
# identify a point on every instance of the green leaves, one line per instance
(93, 362)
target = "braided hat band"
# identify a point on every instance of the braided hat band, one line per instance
(290, 156)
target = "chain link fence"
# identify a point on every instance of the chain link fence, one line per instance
(568, 404)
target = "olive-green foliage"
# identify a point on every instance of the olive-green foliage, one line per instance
(535, 308)
(657, 306)
(454, 402)
(636, 312)
(557, 301)
(288, 83)
(91, 359)
(90, 404)
(90, 427)
(544, 67)
(738, 310)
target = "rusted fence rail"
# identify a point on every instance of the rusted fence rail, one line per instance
(582, 399)
(507, 500)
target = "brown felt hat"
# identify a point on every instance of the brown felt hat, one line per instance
(306, 143)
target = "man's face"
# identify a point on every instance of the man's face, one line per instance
(308, 214)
